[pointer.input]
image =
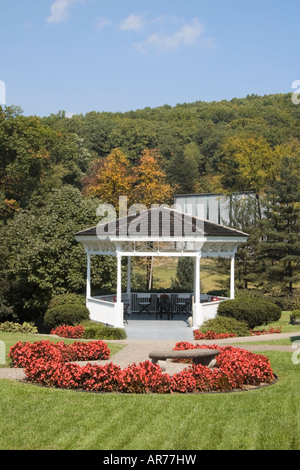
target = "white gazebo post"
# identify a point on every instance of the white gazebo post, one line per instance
(119, 314)
(88, 276)
(232, 276)
(197, 307)
(129, 282)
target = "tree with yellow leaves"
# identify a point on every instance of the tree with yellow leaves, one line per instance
(150, 186)
(249, 164)
(113, 176)
(110, 178)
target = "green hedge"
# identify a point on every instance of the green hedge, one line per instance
(69, 314)
(103, 332)
(66, 299)
(225, 325)
(254, 312)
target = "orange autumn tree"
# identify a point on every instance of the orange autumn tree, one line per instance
(113, 176)
(145, 184)
(150, 184)
(150, 187)
(110, 178)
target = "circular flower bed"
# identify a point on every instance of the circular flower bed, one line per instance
(50, 364)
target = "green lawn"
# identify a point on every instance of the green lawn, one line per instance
(34, 417)
(164, 270)
(38, 418)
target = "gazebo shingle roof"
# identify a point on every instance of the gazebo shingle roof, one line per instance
(160, 222)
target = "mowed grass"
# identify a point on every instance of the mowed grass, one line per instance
(164, 271)
(39, 418)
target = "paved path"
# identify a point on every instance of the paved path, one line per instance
(138, 350)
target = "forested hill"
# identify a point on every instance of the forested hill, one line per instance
(194, 140)
(190, 137)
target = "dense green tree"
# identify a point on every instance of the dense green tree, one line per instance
(244, 218)
(184, 169)
(249, 164)
(35, 159)
(40, 258)
(280, 247)
(184, 280)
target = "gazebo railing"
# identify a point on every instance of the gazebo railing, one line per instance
(136, 298)
(210, 309)
(104, 309)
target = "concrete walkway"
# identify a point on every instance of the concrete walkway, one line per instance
(148, 328)
(138, 350)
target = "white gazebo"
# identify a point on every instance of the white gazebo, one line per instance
(156, 232)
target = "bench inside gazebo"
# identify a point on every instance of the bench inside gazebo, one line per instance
(157, 232)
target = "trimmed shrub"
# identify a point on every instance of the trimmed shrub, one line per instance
(254, 312)
(225, 325)
(295, 316)
(103, 332)
(218, 293)
(69, 314)
(66, 299)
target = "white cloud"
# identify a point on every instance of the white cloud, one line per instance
(59, 10)
(102, 22)
(133, 23)
(186, 36)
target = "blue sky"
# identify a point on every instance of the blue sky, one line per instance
(114, 55)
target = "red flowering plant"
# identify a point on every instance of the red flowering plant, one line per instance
(242, 367)
(106, 378)
(212, 335)
(22, 354)
(89, 351)
(66, 331)
(144, 378)
(45, 363)
(54, 374)
(270, 331)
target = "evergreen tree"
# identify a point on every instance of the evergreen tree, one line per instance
(184, 275)
(244, 218)
(280, 247)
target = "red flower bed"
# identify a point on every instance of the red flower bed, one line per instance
(270, 331)
(242, 367)
(212, 335)
(66, 331)
(46, 363)
(24, 354)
